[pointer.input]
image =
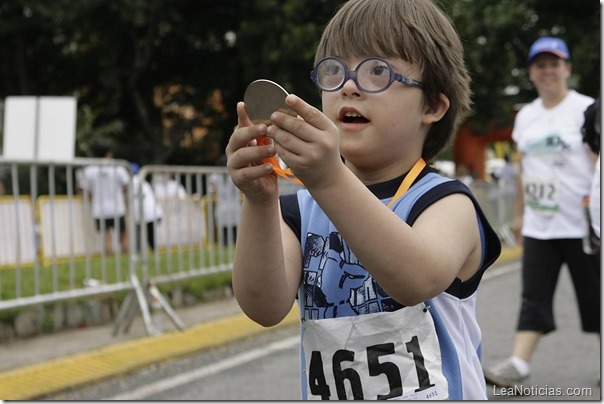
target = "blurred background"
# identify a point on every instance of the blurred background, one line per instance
(161, 78)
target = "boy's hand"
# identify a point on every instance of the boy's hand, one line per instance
(309, 146)
(244, 159)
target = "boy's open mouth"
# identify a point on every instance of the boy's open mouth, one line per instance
(353, 117)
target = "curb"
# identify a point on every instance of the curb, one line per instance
(508, 254)
(35, 381)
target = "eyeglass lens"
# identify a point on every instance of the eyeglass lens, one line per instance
(371, 75)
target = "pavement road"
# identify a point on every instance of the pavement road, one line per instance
(566, 365)
(567, 362)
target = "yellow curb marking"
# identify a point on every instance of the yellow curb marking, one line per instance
(37, 380)
(509, 254)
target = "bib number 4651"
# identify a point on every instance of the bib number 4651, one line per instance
(318, 383)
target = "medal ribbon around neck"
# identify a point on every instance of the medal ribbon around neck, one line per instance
(408, 180)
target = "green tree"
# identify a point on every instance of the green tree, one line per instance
(161, 78)
(497, 36)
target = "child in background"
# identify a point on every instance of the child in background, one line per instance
(147, 211)
(107, 186)
(384, 255)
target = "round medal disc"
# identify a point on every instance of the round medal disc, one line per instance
(262, 98)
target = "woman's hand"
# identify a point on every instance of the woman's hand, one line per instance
(244, 159)
(309, 146)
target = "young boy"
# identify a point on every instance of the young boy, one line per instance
(386, 283)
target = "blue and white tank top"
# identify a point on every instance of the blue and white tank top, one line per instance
(399, 361)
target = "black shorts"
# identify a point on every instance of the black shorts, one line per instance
(110, 223)
(541, 264)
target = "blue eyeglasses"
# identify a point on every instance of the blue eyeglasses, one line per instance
(372, 75)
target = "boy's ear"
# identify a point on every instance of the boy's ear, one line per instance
(436, 110)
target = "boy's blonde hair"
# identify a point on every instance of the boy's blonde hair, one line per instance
(416, 31)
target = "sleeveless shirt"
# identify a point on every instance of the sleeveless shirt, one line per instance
(335, 284)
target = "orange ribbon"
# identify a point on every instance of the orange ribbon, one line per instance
(274, 161)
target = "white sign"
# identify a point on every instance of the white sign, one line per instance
(20, 128)
(40, 128)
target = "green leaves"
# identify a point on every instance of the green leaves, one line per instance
(497, 36)
(117, 55)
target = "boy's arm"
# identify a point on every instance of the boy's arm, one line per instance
(268, 263)
(411, 263)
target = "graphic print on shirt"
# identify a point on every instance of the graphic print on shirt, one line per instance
(552, 144)
(335, 282)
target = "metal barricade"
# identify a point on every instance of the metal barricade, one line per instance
(497, 200)
(199, 223)
(48, 249)
(51, 251)
(200, 209)
(184, 242)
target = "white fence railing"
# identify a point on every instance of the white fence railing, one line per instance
(50, 249)
(497, 201)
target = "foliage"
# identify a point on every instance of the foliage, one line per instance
(497, 36)
(161, 78)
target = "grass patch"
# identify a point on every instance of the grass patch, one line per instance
(68, 275)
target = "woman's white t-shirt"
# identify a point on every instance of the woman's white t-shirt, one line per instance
(557, 168)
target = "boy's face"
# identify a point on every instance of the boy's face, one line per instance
(379, 130)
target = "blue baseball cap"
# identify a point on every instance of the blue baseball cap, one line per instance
(548, 44)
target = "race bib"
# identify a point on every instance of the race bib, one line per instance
(390, 355)
(541, 194)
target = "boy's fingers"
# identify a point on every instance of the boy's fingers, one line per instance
(310, 114)
(253, 155)
(245, 136)
(242, 117)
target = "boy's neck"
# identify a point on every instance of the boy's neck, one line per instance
(385, 173)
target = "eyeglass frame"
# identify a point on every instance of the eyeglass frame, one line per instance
(352, 74)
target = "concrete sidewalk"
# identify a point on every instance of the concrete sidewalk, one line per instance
(35, 367)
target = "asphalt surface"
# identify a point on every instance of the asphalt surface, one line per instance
(567, 362)
(33, 368)
(46, 364)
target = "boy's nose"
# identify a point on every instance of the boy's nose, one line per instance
(350, 88)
